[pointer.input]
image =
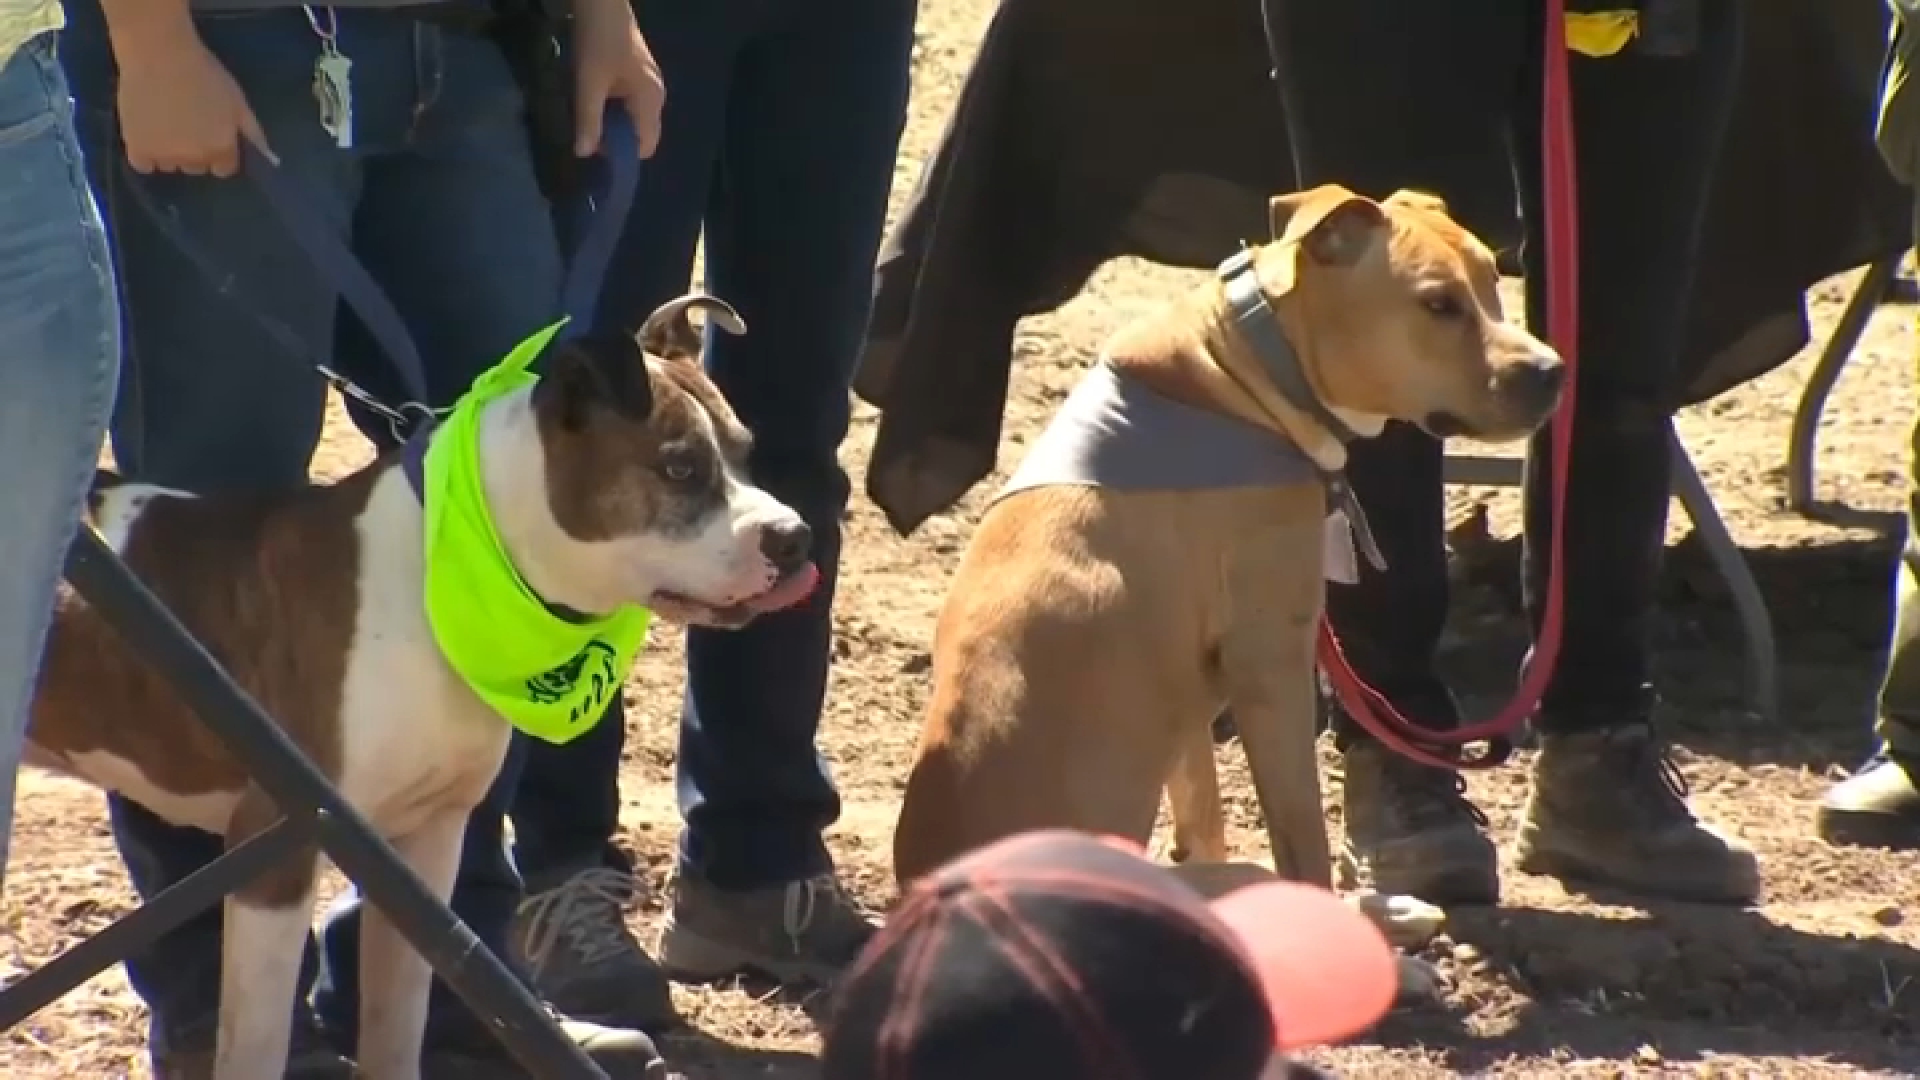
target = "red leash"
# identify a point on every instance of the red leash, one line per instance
(1363, 703)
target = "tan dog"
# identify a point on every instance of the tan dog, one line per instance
(1114, 598)
(617, 479)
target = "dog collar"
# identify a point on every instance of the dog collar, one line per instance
(549, 672)
(1258, 324)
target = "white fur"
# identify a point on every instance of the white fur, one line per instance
(418, 748)
(1364, 424)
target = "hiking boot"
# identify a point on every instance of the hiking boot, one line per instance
(1878, 806)
(802, 933)
(575, 943)
(621, 1053)
(1411, 829)
(309, 1055)
(1610, 807)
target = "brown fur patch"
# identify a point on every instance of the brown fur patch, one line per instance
(608, 473)
(268, 584)
(613, 471)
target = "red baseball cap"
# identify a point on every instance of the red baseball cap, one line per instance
(1056, 956)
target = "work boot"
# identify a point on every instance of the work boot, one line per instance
(800, 934)
(621, 1053)
(1411, 829)
(574, 941)
(1610, 807)
(309, 1055)
(1878, 806)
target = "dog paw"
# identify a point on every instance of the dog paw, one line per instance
(1406, 921)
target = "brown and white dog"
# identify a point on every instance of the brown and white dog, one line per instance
(619, 478)
(1123, 590)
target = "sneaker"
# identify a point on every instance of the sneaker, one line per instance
(1878, 806)
(574, 941)
(309, 1055)
(803, 933)
(1410, 828)
(1611, 807)
(621, 1053)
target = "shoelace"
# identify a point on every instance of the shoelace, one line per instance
(806, 899)
(1436, 797)
(584, 912)
(1651, 757)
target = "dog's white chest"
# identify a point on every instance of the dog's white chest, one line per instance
(412, 734)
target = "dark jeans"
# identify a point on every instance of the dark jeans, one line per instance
(440, 203)
(1387, 94)
(782, 123)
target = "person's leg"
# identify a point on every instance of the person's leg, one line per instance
(1879, 805)
(452, 225)
(1607, 803)
(57, 376)
(572, 932)
(209, 402)
(813, 126)
(1382, 95)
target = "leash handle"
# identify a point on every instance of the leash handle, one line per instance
(600, 219)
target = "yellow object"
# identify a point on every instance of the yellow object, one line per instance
(23, 20)
(1601, 33)
(549, 677)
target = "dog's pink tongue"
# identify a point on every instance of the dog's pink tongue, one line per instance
(793, 590)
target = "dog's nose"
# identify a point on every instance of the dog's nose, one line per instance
(787, 545)
(1537, 384)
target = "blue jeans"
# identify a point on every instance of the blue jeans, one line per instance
(439, 201)
(57, 370)
(781, 127)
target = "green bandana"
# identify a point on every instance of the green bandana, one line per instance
(549, 677)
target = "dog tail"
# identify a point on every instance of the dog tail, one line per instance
(669, 333)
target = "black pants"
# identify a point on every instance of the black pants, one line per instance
(1388, 94)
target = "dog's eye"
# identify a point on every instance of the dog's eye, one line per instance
(677, 471)
(1443, 304)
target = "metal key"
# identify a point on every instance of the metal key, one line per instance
(332, 80)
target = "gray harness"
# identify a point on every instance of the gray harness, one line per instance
(1119, 433)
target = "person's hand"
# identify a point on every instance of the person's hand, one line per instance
(612, 63)
(180, 110)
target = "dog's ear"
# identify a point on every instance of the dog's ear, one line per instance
(604, 371)
(669, 333)
(1420, 200)
(1332, 225)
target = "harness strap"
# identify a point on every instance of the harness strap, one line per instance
(413, 456)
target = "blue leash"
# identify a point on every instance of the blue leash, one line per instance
(611, 180)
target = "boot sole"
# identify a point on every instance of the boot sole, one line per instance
(688, 957)
(1574, 868)
(1890, 832)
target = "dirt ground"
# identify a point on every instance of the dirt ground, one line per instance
(1822, 980)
